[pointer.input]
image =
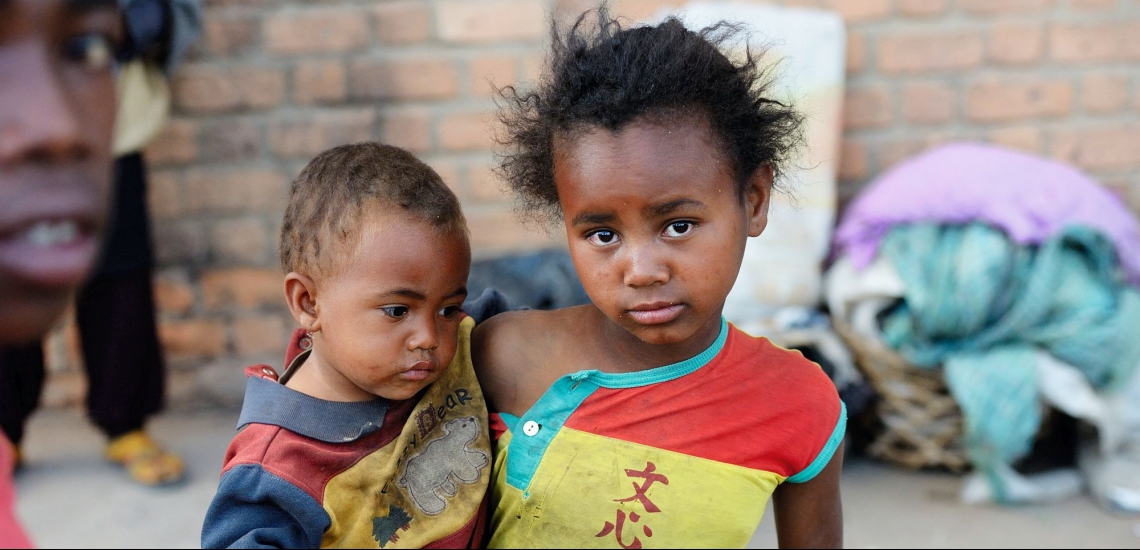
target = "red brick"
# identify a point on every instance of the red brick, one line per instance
(856, 52)
(232, 139)
(489, 21)
(921, 8)
(1092, 5)
(319, 82)
(1086, 42)
(470, 131)
(164, 194)
(192, 339)
(1106, 148)
(867, 107)
(173, 292)
(1104, 93)
(235, 191)
(532, 67)
(914, 52)
(242, 287)
(260, 87)
(177, 144)
(403, 22)
(407, 128)
(450, 171)
(1022, 138)
(496, 230)
(209, 89)
(994, 100)
(204, 88)
(640, 10)
(485, 185)
(995, 7)
(490, 72)
(860, 10)
(312, 132)
(1016, 43)
(260, 334)
(320, 30)
(927, 102)
(180, 242)
(239, 241)
(853, 160)
(227, 35)
(404, 78)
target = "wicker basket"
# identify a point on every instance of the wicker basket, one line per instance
(922, 424)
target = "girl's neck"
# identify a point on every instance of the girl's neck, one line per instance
(625, 352)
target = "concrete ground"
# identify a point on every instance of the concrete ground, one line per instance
(69, 497)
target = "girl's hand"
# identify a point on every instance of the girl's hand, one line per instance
(810, 515)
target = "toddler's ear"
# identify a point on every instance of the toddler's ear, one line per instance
(757, 196)
(301, 295)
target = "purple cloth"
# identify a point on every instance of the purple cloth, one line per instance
(1028, 197)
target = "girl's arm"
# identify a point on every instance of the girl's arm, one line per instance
(810, 514)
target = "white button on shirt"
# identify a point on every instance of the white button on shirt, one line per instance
(531, 428)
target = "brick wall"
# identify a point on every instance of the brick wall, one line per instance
(273, 82)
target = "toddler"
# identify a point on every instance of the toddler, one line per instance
(375, 435)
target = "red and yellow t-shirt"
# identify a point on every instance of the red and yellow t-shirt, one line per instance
(685, 455)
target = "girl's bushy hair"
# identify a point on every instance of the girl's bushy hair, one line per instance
(601, 75)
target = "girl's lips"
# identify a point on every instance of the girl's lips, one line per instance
(656, 314)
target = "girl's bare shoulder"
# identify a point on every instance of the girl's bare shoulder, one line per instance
(517, 354)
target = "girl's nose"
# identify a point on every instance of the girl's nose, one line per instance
(644, 267)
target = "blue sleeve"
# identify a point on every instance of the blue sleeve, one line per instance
(256, 509)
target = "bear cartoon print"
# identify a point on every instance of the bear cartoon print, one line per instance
(432, 474)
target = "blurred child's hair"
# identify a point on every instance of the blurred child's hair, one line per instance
(600, 75)
(334, 191)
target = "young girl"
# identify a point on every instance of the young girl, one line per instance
(643, 419)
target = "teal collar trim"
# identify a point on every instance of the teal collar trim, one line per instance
(532, 433)
(658, 374)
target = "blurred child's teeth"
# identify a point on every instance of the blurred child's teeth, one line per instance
(52, 233)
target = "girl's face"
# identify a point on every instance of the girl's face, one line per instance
(655, 224)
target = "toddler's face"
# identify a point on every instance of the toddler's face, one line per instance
(389, 321)
(655, 225)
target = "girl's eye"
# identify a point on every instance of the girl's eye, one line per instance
(395, 312)
(678, 229)
(602, 237)
(450, 312)
(93, 50)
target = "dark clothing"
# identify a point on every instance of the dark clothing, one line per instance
(115, 314)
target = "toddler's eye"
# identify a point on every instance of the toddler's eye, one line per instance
(678, 229)
(94, 50)
(450, 312)
(602, 237)
(395, 312)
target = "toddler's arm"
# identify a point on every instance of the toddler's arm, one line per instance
(810, 515)
(256, 509)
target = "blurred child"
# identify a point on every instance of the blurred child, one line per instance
(644, 418)
(376, 432)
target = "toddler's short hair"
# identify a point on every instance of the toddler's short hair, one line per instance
(330, 195)
(605, 76)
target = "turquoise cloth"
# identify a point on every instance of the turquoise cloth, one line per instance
(981, 306)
